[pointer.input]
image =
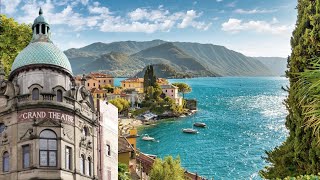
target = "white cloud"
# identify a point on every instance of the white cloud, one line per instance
(101, 18)
(9, 5)
(232, 4)
(219, 0)
(254, 11)
(189, 20)
(99, 10)
(215, 18)
(149, 21)
(237, 25)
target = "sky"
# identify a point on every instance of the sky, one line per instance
(252, 27)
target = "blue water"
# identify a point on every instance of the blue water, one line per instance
(117, 81)
(245, 117)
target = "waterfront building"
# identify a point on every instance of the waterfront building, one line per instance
(49, 126)
(172, 92)
(137, 84)
(133, 84)
(96, 80)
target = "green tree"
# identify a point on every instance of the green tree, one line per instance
(149, 78)
(121, 104)
(299, 154)
(14, 37)
(167, 169)
(183, 88)
(123, 172)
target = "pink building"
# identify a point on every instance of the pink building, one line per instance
(172, 92)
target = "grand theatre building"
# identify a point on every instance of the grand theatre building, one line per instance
(49, 126)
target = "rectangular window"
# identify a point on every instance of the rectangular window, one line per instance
(109, 81)
(94, 84)
(108, 150)
(43, 158)
(52, 158)
(68, 157)
(26, 156)
(88, 84)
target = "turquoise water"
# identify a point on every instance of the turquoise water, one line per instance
(245, 117)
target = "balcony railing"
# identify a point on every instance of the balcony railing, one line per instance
(48, 96)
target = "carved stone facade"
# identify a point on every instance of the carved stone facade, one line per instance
(49, 127)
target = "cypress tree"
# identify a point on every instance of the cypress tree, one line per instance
(146, 79)
(300, 153)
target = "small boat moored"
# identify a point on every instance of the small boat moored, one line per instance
(146, 137)
(200, 124)
(190, 131)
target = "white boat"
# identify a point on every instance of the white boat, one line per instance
(146, 137)
(199, 124)
(190, 131)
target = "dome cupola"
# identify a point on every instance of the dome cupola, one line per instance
(41, 52)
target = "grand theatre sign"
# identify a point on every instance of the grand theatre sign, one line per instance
(39, 114)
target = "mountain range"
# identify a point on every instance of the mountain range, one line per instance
(128, 58)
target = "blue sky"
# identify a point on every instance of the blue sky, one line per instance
(252, 27)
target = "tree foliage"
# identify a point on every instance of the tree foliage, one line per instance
(121, 104)
(167, 169)
(123, 172)
(149, 78)
(183, 88)
(300, 153)
(14, 37)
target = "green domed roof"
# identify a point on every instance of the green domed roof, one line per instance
(41, 53)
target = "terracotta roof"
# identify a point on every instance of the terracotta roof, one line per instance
(95, 90)
(98, 75)
(124, 145)
(133, 80)
(169, 86)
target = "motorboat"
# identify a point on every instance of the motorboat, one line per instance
(190, 131)
(146, 137)
(199, 124)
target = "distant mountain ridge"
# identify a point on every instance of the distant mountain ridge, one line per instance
(277, 65)
(127, 58)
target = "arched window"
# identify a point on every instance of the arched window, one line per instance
(89, 166)
(59, 95)
(5, 162)
(2, 127)
(37, 29)
(85, 131)
(48, 148)
(43, 28)
(35, 94)
(82, 164)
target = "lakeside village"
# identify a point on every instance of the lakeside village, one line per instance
(57, 126)
(140, 102)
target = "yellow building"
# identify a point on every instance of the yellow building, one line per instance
(133, 84)
(98, 94)
(125, 151)
(137, 84)
(132, 138)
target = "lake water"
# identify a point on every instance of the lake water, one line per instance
(245, 117)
